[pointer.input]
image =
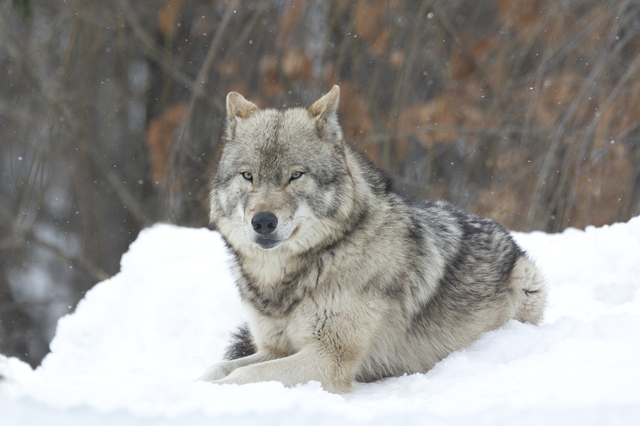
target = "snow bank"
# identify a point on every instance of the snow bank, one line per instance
(135, 344)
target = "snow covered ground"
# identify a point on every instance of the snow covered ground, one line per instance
(131, 351)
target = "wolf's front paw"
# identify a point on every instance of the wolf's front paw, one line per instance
(216, 372)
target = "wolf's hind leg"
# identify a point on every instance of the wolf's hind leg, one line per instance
(531, 292)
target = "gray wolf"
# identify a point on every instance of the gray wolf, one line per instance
(344, 278)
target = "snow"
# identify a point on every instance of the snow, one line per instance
(132, 350)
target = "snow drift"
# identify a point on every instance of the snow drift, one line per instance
(133, 348)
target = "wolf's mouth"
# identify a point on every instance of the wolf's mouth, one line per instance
(266, 243)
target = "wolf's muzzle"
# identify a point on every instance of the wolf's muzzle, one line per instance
(264, 223)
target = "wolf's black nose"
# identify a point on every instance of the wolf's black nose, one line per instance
(264, 223)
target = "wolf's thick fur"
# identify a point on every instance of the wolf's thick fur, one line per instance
(345, 279)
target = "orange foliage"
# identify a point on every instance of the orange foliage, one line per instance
(522, 15)
(367, 16)
(554, 97)
(481, 48)
(270, 76)
(602, 188)
(296, 65)
(228, 68)
(288, 22)
(502, 204)
(159, 140)
(241, 87)
(450, 110)
(396, 58)
(381, 43)
(168, 16)
(461, 64)
(356, 120)
(618, 117)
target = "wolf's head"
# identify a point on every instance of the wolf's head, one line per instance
(283, 181)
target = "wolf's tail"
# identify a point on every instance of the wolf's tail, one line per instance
(242, 344)
(528, 283)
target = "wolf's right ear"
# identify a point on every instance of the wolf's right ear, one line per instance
(238, 106)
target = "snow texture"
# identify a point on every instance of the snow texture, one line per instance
(131, 352)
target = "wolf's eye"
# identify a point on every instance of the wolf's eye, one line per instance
(248, 176)
(296, 175)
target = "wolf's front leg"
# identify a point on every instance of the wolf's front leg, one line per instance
(333, 354)
(335, 374)
(224, 368)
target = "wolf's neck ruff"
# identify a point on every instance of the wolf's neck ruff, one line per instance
(345, 279)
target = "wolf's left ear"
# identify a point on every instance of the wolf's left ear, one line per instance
(325, 112)
(326, 106)
(238, 106)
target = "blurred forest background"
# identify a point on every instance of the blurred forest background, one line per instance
(111, 115)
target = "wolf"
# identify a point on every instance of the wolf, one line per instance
(344, 278)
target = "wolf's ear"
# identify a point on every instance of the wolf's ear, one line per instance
(327, 106)
(325, 113)
(238, 106)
